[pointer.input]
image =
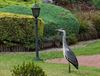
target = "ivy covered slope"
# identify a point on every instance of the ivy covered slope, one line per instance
(58, 17)
(53, 16)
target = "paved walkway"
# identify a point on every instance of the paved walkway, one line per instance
(93, 60)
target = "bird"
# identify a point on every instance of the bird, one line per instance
(67, 52)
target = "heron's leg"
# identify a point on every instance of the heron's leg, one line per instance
(69, 69)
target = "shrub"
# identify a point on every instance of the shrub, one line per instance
(28, 69)
(18, 29)
(72, 39)
(60, 18)
(96, 3)
(55, 17)
(96, 23)
(87, 30)
(4, 3)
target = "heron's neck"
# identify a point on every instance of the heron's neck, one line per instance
(64, 39)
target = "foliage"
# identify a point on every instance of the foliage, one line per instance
(24, 0)
(72, 39)
(18, 29)
(59, 1)
(96, 22)
(83, 26)
(28, 69)
(87, 30)
(60, 18)
(4, 3)
(96, 3)
(17, 9)
(54, 18)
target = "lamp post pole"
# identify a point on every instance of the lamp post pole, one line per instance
(36, 12)
(36, 39)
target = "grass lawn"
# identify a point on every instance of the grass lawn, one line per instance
(8, 60)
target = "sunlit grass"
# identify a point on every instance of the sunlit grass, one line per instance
(51, 69)
(8, 60)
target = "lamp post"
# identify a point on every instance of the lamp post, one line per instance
(36, 12)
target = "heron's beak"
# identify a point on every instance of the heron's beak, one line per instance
(56, 30)
(59, 29)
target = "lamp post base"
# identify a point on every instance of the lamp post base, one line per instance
(38, 59)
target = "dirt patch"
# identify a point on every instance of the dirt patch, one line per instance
(93, 60)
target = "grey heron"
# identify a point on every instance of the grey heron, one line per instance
(67, 52)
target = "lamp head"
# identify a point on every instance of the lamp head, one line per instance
(35, 10)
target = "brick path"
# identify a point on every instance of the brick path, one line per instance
(93, 61)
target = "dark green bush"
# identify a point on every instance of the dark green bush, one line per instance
(18, 29)
(60, 18)
(28, 69)
(96, 23)
(72, 39)
(53, 16)
(83, 26)
(96, 3)
(87, 30)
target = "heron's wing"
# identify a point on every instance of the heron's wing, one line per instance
(70, 56)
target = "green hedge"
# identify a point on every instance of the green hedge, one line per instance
(28, 69)
(18, 29)
(4, 3)
(53, 16)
